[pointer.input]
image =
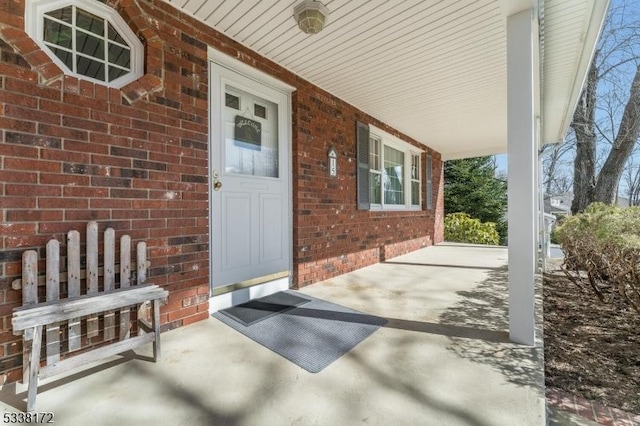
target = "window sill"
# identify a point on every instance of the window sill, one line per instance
(380, 208)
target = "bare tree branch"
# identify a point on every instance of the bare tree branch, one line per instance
(606, 122)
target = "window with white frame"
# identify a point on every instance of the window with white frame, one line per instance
(392, 178)
(394, 183)
(87, 39)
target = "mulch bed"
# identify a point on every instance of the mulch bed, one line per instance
(591, 349)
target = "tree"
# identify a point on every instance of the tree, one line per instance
(608, 111)
(471, 186)
(555, 179)
(632, 182)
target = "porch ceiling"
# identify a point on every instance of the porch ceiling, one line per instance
(433, 69)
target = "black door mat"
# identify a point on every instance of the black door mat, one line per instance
(312, 335)
(260, 309)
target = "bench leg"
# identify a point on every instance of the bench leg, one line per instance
(156, 329)
(34, 366)
(27, 344)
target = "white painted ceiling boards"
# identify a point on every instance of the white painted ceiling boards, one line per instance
(433, 69)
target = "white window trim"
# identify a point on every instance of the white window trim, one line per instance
(408, 150)
(34, 26)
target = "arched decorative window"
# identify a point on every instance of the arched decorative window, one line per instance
(87, 39)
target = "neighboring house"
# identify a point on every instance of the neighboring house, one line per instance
(560, 204)
(252, 157)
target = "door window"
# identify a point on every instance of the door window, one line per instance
(251, 134)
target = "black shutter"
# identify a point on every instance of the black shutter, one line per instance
(362, 137)
(429, 183)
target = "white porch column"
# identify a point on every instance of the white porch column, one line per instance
(522, 151)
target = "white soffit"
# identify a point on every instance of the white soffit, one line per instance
(433, 69)
(571, 30)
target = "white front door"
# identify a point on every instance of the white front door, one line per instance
(249, 158)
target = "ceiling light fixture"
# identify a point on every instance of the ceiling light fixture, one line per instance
(311, 16)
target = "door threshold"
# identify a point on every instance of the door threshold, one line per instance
(249, 283)
(235, 294)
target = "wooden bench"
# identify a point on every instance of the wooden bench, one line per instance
(94, 319)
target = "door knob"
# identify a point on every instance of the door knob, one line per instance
(216, 183)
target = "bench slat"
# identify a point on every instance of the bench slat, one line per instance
(64, 310)
(73, 268)
(29, 297)
(92, 273)
(110, 280)
(95, 355)
(141, 257)
(53, 294)
(125, 281)
(141, 277)
(30, 272)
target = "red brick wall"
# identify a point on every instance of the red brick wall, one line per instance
(331, 236)
(136, 160)
(133, 159)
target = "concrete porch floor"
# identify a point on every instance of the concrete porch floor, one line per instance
(443, 359)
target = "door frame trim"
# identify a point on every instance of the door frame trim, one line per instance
(279, 283)
(248, 71)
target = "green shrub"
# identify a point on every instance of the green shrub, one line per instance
(462, 228)
(554, 238)
(602, 251)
